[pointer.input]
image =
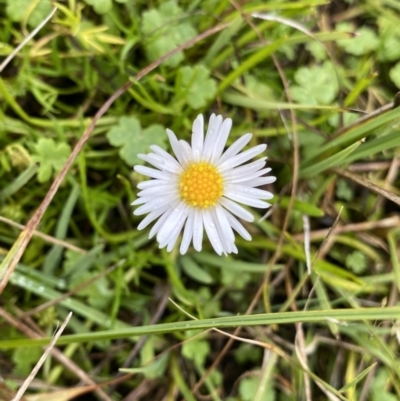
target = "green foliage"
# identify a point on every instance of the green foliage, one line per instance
(248, 389)
(379, 387)
(196, 350)
(25, 359)
(310, 80)
(100, 6)
(395, 75)
(343, 190)
(357, 262)
(36, 12)
(365, 40)
(49, 95)
(164, 29)
(247, 353)
(129, 136)
(197, 86)
(51, 156)
(389, 35)
(99, 294)
(194, 271)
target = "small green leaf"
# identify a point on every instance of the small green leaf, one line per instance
(364, 42)
(248, 388)
(196, 350)
(389, 43)
(310, 80)
(132, 139)
(198, 85)
(50, 156)
(98, 293)
(194, 271)
(380, 387)
(357, 262)
(165, 29)
(25, 358)
(18, 9)
(100, 6)
(343, 190)
(394, 75)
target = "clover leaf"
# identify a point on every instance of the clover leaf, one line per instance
(389, 40)
(132, 139)
(165, 29)
(17, 9)
(100, 6)
(24, 358)
(197, 351)
(97, 294)
(51, 157)
(310, 80)
(364, 42)
(357, 262)
(394, 75)
(197, 85)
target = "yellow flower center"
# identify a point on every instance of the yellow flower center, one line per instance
(200, 185)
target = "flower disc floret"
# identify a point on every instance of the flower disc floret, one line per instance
(201, 185)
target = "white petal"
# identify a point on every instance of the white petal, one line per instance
(198, 230)
(161, 163)
(161, 152)
(238, 227)
(152, 216)
(247, 200)
(155, 204)
(171, 243)
(220, 141)
(186, 153)
(188, 233)
(235, 148)
(139, 201)
(173, 219)
(175, 146)
(250, 176)
(234, 250)
(247, 191)
(257, 182)
(224, 229)
(173, 234)
(237, 209)
(161, 189)
(153, 183)
(151, 172)
(162, 219)
(212, 132)
(157, 200)
(242, 157)
(198, 137)
(211, 231)
(245, 170)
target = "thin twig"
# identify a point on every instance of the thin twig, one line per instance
(39, 364)
(34, 332)
(27, 39)
(393, 221)
(45, 237)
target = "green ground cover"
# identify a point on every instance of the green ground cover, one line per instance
(304, 311)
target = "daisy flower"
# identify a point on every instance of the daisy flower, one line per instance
(202, 187)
